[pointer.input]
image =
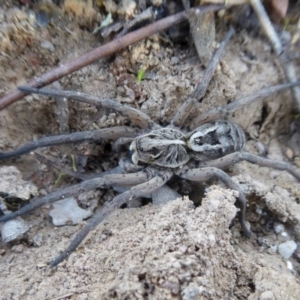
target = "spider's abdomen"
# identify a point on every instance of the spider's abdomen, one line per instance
(164, 147)
(216, 139)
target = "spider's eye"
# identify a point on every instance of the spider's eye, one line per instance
(199, 141)
(154, 151)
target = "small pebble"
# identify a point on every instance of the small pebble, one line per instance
(67, 211)
(174, 60)
(278, 228)
(289, 265)
(273, 249)
(41, 265)
(287, 249)
(48, 45)
(43, 192)
(289, 153)
(38, 240)
(18, 248)
(263, 242)
(267, 295)
(13, 229)
(259, 210)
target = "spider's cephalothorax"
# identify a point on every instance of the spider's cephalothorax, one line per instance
(171, 148)
(165, 147)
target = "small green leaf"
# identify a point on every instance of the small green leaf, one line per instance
(59, 177)
(140, 75)
(74, 163)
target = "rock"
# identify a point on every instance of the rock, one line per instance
(11, 182)
(267, 295)
(278, 228)
(48, 46)
(163, 195)
(287, 249)
(18, 248)
(67, 211)
(13, 229)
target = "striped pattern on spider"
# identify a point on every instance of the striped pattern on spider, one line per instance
(213, 143)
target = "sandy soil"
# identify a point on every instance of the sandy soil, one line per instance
(173, 251)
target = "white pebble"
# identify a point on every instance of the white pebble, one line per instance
(273, 249)
(47, 45)
(259, 210)
(13, 229)
(289, 265)
(267, 295)
(278, 228)
(67, 211)
(287, 249)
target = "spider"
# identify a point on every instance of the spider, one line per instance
(213, 143)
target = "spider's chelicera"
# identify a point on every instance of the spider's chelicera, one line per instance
(199, 154)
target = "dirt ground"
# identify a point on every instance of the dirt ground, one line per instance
(170, 251)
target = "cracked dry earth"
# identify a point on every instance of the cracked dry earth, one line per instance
(172, 251)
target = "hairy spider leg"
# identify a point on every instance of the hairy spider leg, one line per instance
(96, 135)
(135, 116)
(236, 157)
(186, 108)
(104, 182)
(203, 174)
(137, 191)
(222, 113)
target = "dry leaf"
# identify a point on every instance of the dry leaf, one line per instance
(277, 9)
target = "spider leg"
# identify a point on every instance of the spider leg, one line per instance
(203, 174)
(119, 143)
(137, 117)
(236, 157)
(104, 182)
(137, 191)
(128, 167)
(107, 133)
(186, 108)
(223, 111)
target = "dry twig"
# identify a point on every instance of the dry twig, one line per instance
(272, 35)
(100, 52)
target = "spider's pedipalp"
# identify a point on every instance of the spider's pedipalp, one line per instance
(236, 157)
(135, 116)
(96, 135)
(203, 174)
(137, 191)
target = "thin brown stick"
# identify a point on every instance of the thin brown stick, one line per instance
(100, 52)
(287, 66)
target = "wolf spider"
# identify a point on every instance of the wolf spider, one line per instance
(195, 155)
